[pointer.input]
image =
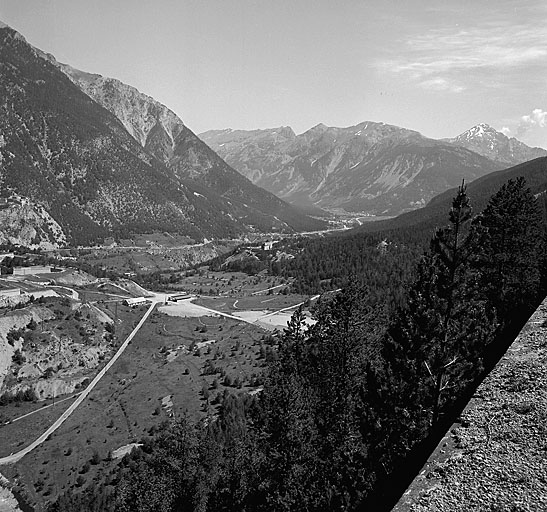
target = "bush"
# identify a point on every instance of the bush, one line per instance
(14, 334)
(95, 458)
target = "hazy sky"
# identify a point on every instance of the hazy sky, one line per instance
(436, 66)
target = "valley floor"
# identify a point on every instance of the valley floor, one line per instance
(180, 361)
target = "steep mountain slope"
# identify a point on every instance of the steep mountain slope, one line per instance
(486, 141)
(163, 134)
(434, 214)
(67, 156)
(372, 167)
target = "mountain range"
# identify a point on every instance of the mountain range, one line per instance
(83, 157)
(371, 167)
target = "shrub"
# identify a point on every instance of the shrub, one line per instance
(95, 458)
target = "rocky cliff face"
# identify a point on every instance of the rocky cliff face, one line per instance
(28, 224)
(150, 123)
(16, 320)
(486, 141)
(163, 135)
(372, 167)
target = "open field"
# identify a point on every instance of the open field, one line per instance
(231, 284)
(175, 365)
(162, 362)
(18, 434)
(16, 410)
(255, 302)
(152, 252)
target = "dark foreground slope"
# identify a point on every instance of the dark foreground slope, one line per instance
(354, 401)
(493, 457)
(74, 163)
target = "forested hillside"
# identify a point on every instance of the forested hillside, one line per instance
(384, 252)
(480, 190)
(356, 397)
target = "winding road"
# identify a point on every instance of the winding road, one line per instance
(155, 298)
(10, 459)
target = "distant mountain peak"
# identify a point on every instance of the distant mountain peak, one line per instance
(318, 128)
(371, 166)
(286, 131)
(479, 130)
(488, 142)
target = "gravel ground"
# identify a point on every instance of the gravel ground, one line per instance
(495, 458)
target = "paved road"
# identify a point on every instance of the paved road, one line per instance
(287, 308)
(268, 289)
(156, 297)
(10, 459)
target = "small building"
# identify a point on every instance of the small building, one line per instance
(36, 269)
(268, 245)
(136, 301)
(179, 296)
(10, 292)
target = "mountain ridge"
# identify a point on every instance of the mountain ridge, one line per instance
(372, 167)
(164, 135)
(433, 215)
(63, 151)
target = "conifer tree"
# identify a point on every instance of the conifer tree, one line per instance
(286, 424)
(513, 250)
(435, 342)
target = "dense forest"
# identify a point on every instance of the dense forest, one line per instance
(354, 398)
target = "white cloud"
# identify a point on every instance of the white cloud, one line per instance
(441, 84)
(538, 118)
(506, 131)
(443, 57)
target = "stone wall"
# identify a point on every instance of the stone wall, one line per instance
(495, 457)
